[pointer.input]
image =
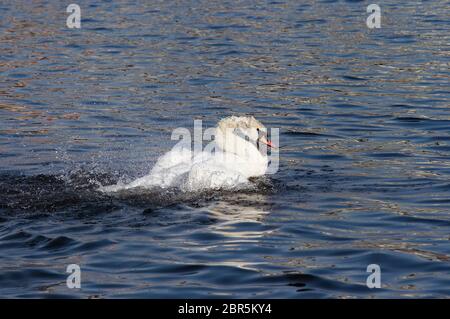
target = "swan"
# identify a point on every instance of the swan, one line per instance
(240, 152)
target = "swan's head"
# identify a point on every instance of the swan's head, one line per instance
(243, 136)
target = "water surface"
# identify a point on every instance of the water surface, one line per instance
(364, 172)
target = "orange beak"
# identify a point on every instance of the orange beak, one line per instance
(269, 143)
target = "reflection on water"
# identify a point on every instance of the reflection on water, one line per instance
(244, 223)
(364, 170)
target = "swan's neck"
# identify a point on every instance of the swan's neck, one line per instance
(250, 158)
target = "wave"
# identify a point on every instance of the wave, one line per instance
(78, 192)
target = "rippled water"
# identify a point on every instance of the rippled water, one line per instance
(364, 169)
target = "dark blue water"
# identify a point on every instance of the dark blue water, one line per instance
(364, 172)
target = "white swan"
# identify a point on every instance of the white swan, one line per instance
(240, 152)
